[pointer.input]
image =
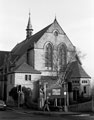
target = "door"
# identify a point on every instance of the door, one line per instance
(75, 94)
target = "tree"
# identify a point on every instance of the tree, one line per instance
(62, 66)
(60, 62)
(26, 91)
(27, 94)
(13, 93)
(80, 54)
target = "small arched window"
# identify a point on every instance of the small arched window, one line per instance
(62, 55)
(49, 56)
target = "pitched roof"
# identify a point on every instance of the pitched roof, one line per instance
(28, 43)
(25, 68)
(21, 48)
(77, 71)
(2, 56)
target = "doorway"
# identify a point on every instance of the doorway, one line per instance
(75, 94)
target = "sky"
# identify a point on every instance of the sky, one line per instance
(76, 18)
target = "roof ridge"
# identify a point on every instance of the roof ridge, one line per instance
(25, 68)
(4, 51)
(41, 30)
(19, 49)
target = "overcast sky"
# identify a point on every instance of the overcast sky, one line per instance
(76, 18)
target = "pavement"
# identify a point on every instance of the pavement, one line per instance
(48, 113)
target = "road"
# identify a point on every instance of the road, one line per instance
(13, 115)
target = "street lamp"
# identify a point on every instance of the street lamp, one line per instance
(19, 91)
(64, 82)
(65, 97)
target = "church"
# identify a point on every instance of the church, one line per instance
(48, 58)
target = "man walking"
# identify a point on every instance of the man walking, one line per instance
(46, 105)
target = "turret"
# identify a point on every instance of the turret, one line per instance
(29, 29)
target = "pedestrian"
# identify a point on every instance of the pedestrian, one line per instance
(46, 105)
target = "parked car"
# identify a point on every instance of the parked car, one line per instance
(2, 105)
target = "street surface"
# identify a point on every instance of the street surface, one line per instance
(14, 115)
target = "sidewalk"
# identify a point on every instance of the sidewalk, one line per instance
(36, 112)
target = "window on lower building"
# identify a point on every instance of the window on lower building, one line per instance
(75, 81)
(84, 81)
(28, 77)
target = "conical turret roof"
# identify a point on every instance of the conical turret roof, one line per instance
(29, 26)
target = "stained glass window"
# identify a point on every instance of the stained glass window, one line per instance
(49, 56)
(62, 55)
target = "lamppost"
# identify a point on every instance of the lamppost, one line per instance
(65, 97)
(65, 85)
(19, 91)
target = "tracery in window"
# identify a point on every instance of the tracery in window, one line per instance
(49, 56)
(62, 55)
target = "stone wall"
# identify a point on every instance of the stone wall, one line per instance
(19, 79)
(83, 107)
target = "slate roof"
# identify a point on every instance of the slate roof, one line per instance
(77, 70)
(21, 48)
(25, 68)
(2, 56)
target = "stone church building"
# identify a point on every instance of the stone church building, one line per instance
(47, 57)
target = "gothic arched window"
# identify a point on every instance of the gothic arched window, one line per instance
(62, 55)
(49, 56)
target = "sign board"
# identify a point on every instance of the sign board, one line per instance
(56, 91)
